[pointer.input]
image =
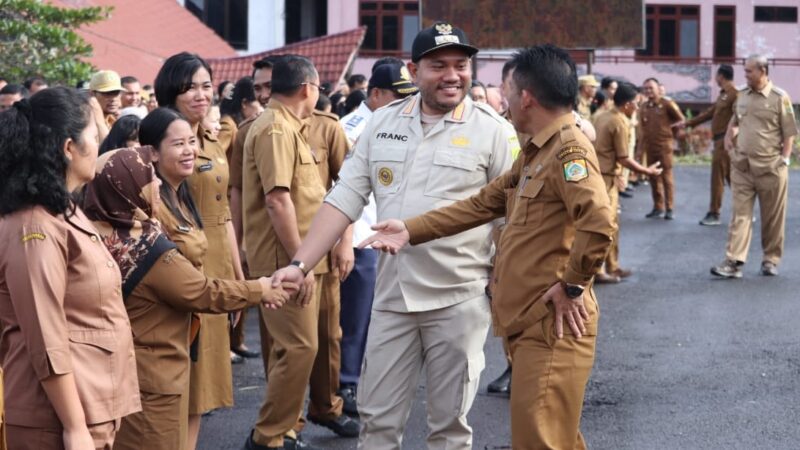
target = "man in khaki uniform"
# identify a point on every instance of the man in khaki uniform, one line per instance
(281, 191)
(106, 87)
(612, 145)
(560, 225)
(657, 116)
(587, 89)
(720, 114)
(430, 309)
(764, 126)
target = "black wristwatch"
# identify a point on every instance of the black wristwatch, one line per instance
(300, 265)
(572, 290)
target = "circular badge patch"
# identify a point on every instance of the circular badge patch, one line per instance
(385, 176)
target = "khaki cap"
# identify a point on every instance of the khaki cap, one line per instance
(105, 81)
(588, 80)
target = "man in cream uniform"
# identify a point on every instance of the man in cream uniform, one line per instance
(388, 83)
(430, 310)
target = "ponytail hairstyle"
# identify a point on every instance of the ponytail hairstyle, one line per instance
(152, 131)
(33, 167)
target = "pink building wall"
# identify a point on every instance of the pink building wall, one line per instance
(689, 83)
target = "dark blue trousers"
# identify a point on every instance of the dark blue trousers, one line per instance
(356, 295)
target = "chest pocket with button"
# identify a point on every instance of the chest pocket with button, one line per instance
(454, 174)
(387, 165)
(307, 173)
(529, 205)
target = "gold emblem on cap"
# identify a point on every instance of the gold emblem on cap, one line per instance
(385, 176)
(405, 74)
(444, 28)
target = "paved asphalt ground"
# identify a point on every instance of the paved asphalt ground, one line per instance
(684, 361)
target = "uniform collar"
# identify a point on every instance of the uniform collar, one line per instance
(81, 222)
(765, 92)
(279, 108)
(541, 138)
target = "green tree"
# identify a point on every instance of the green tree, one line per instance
(37, 38)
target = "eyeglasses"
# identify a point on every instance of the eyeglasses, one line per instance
(322, 89)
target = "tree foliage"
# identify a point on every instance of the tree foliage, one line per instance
(37, 38)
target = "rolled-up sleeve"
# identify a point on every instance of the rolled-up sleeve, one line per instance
(351, 193)
(37, 286)
(174, 280)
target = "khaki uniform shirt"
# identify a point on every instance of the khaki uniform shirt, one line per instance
(226, 135)
(160, 308)
(329, 145)
(613, 140)
(765, 118)
(719, 113)
(585, 107)
(656, 119)
(61, 312)
(236, 157)
(277, 155)
(560, 224)
(410, 173)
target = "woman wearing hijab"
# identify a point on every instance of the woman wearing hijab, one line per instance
(66, 345)
(161, 289)
(184, 84)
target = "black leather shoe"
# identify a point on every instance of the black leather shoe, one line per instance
(343, 425)
(288, 444)
(348, 394)
(502, 385)
(655, 214)
(668, 215)
(236, 359)
(625, 194)
(244, 353)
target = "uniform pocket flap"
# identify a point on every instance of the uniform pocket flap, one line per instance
(396, 154)
(455, 158)
(104, 340)
(531, 189)
(475, 366)
(306, 157)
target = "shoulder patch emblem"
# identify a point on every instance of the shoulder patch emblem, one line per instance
(385, 176)
(571, 151)
(32, 236)
(576, 170)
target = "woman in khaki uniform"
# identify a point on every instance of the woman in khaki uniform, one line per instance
(161, 289)
(66, 343)
(184, 84)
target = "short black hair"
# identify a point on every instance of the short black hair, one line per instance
(125, 129)
(726, 71)
(152, 131)
(128, 80)
(548, 73)
(606, 82)
(36, 79)
(508, 67)
(290, 72)
(356, 79)
(387, 60)
(266, 62)
(322, 103)
(147, 87)
(353, 100)
(626, 92)
(14, 89)
(651, 79)
(175, 76)
(32, 136)
(243, 91)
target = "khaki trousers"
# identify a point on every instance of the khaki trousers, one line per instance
(720, 175)
(662, 186)
(448, 344)
(292, 349)
(28, 438)
(612, 260)
(771, 189)
(548, 384)
(156, 426)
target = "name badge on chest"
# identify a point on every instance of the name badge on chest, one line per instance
(205, 167)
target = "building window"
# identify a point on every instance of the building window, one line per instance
(671, 31)
(391, 26)
(781, 14)
(228, 18)
(724, 32)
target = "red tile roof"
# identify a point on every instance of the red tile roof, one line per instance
(139, 35)
(332, 55)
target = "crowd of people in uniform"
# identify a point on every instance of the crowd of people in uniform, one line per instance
(138, 223)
